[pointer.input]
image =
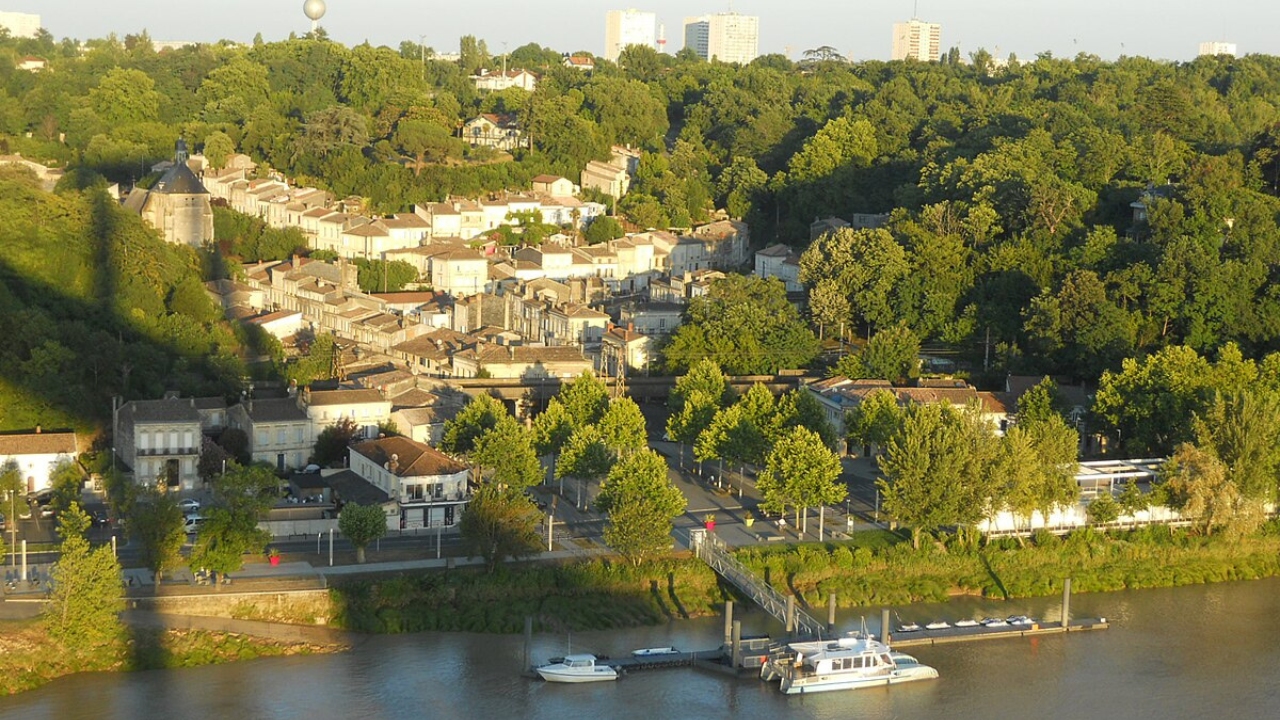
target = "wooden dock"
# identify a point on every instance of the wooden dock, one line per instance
(918, 638)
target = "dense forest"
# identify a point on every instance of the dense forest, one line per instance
(1065, 214)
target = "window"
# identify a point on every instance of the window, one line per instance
(297, 435)
(413, 492)
(262, 437)
(280, 436)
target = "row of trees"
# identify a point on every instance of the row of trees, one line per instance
(945, 467)
(587, 437)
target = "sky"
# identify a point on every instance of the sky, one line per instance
(860, 29)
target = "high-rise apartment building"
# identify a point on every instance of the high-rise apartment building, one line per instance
(917, 39)
(727, 37)
(20, 25)
(628, 27)
(1218, 48)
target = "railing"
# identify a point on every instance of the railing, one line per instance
(711, 550)
(151, 452)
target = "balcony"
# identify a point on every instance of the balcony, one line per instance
(443, 499)
(174, 452)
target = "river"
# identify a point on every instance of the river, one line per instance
(1192, 652)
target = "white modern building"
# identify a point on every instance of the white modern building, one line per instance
(430, 488)
(20, 25)
(628, 27)
(727, 37)
(917, 40)
(36, 455)
(1218, 48)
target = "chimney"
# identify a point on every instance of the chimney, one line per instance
(511, 351)
(631, 327)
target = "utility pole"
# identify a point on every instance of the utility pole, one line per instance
(422, 54)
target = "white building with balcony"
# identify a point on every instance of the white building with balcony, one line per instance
(430, 488)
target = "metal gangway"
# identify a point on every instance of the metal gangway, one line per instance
(712, 550)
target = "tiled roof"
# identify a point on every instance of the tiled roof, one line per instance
(273, 410)
(38, 443)
(411, 459)
(169, 410)
(344, 397)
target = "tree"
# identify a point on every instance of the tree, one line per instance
(362, 524)
(426, 141)
(800, 471)
(603, 229)
(156, 524)
(500, 524)
(1103, 510)
(799, 408)
(218, 148)
(552, 428)
(874, 420)
(241, 496)
(1242, 429)
(1043, 401)
(622, 427)
(480, 415)
(745, 325)
(507, 451)
(1198, 486)
(892, 354)
(223, 540)
(66, 481)
(641, 502)
(585, 456)
(585, 398)
(937, 469)
(334, 442)
(85, 602)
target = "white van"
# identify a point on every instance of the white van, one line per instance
(193, 523)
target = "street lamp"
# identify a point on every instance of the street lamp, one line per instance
(422, 54)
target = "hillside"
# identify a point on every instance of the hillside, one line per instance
(93, 304)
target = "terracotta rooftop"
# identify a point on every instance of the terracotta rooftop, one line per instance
(408, 458)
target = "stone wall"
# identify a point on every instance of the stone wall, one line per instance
(308, 607)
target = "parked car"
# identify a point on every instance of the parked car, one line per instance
(189, 506)
(193, 523)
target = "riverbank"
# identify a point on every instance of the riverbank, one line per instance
(28, 660)
(593, 594)
(878, 569)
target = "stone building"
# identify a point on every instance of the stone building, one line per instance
(177, 205)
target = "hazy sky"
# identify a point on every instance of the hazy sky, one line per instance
(1168, 29)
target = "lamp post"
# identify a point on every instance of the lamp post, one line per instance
(422, 54)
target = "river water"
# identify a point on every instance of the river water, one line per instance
(1194, 652)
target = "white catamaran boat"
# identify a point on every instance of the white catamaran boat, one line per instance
(577, 669)
(845, 664)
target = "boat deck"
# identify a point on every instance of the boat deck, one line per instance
(924, 637)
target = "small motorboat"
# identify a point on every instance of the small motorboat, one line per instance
(1020, 620)
(966, 623)
(937, 625)
(654, 651)
(577, 669)
(909, 627)
(994, 622)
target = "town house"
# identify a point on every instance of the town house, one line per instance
(430, 488)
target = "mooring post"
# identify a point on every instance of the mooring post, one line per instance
(728, 621)
(528, 642)
(1066, 603)
(737, 644)
(831, 613)
(791, 614)
(884, 626)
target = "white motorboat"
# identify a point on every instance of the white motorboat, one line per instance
(994, 622)
(654, 652)
(1020, 620)
(938, 625)
(849, 663)
(966, 623)
(577, 669)
(909, 627)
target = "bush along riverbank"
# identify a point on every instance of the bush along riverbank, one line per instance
(28, 658)
(588, 595)
(876, 569)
